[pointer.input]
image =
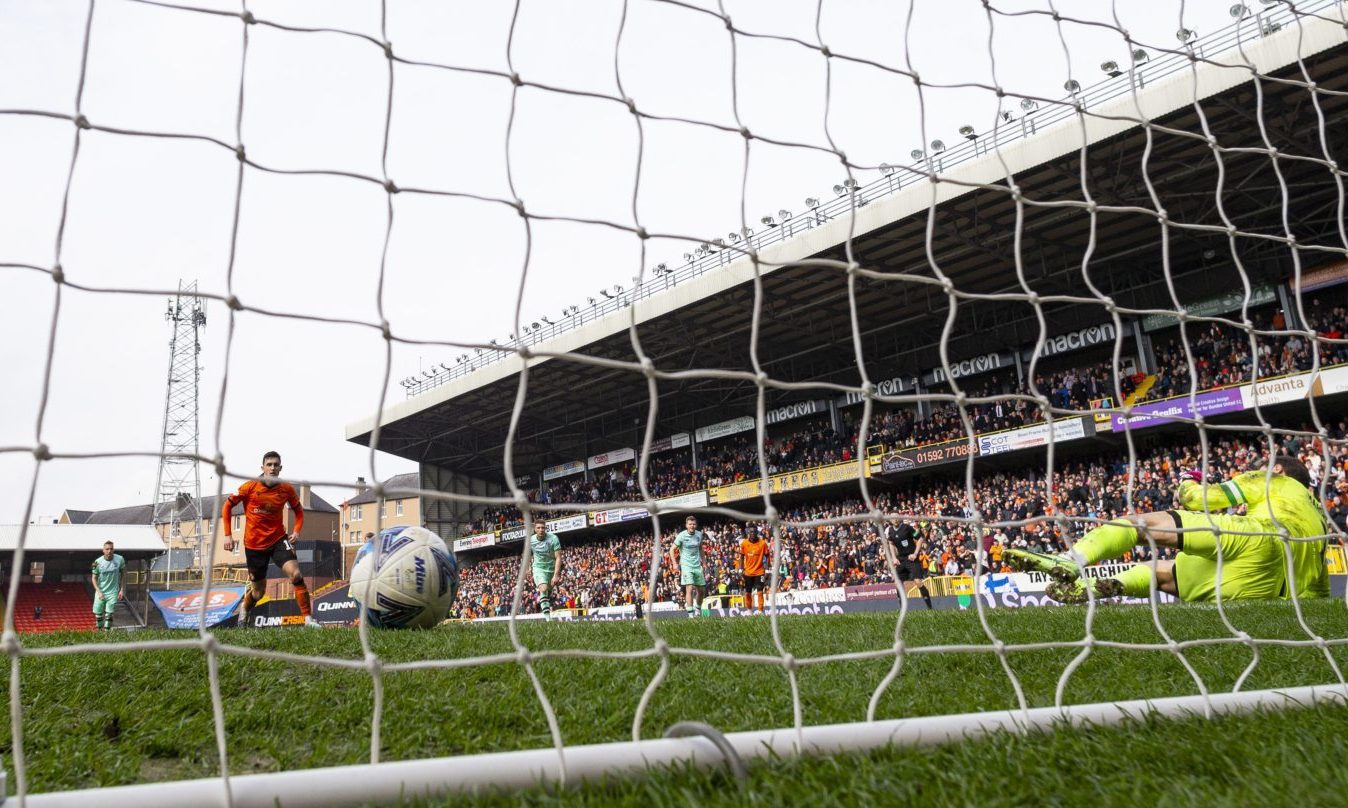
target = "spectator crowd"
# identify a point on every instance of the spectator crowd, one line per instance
(1221, 355)
(1018, 508)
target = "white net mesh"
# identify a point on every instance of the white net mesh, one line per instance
(1001, 236)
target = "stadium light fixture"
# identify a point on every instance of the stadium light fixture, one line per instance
(734, 238)
(917, 154)
(1239, 11)
(783, 214)
(811, 203)
(937, 146)
(605, 293)
(746, 232)
(886, 169)
(662, 267)
(1072, 86)
(1111, 69)
(719, 242)
(769, 221)
(1186, 35)
(546, 320)
(1140, 56)
(850, 182)
(443, 365)
(839, 190)
(617, 289)
(1008, 116)
(969, 132)
(688, 257)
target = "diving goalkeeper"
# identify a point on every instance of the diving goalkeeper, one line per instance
(1253, 563)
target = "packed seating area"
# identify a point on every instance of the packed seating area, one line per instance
(1221, 354)
(617, 571)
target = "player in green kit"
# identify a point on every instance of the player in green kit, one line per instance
(106, 576)
(546, 549)
(687, 551)
(1252, 556)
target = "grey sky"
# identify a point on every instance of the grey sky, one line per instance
(145, 212)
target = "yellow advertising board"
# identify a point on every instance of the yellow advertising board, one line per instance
(790, 481)
(1334, 559)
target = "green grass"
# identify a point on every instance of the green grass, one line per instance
(112, 718)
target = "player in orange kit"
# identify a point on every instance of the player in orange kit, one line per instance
(753, 548)
(264, 534)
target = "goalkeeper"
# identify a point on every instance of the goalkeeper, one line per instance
(1252, 561)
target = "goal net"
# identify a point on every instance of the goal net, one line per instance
(910, 307)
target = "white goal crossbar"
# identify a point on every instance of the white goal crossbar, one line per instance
(442, 777)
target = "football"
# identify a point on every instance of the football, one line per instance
(406, 577)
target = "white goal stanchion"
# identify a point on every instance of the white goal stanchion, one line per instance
(1265, 50)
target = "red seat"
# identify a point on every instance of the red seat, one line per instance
(65, 606)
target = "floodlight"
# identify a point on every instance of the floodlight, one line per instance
(1140, 56)
(1239, 11)
(1185, 35)
(917, 154)
(1111, 69)
(1072, 86)
(783, 214)
(968, 132)
(938, 146)
(769, 221)
(886, 169)
(839, 190)
(1028, 104)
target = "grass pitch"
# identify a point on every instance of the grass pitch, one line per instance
(93, 719)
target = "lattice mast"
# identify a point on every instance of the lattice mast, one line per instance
(179, 474)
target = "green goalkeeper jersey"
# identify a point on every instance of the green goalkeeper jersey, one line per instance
(1276, 500)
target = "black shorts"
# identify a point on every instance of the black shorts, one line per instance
(259, 560)
(753, 582)
(911, 571)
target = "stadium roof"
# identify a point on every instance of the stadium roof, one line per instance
(142, 514)
(82, 538)
(393, 485)
(805, 323)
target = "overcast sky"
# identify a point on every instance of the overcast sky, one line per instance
(146, 212)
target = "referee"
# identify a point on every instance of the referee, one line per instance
(903, 547)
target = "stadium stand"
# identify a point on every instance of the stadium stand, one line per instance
(615, 571)
(53, 607)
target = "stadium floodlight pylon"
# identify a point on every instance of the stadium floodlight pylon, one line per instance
(1174, 79)
(178, 480)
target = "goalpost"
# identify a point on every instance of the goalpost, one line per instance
(1160, 93)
